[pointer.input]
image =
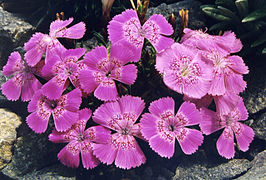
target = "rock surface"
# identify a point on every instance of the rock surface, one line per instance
(14, 32)
(8, 122)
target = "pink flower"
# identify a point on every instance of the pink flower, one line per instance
(43, 43)
(184, 71)
(62, 67)
(122, 148)
(227, 43)
(126, 27)
(212, 121)
(228, 71)
(161, 127)
(64, 111)
(103, 70)
(80, 141)
(23, 81)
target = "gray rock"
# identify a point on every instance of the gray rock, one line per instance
(14, 32)
(258, 125)
(196, 17)
(8, 122)
(31, 153)
(203, 168)
(258, 168)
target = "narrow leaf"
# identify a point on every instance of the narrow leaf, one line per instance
(260, 13)
(260, 40)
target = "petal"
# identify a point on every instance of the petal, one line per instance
(106, 91)
(38, 123)
(226, 103)
(217, 87)
(161, 22)
(88, 159)
(209, 122)
(225, 144)
(189, 140)
(70, 53)
(69, 155)
(126, 74)
(94, 56)
(100, 134)
(35, 48)
(54, 88)
(85, 114)
(106, 153)
(203, 102)
(244, 136)
(33, 104)
(148, 125)
(73, 100)
(237, 65)
(242, 110)
(130, 157)
(12, 88)
(161, 146)
(192, 115)
(29, 88)
(163, 106)
(229, 42)
(64, 119)
(76, 31)
(132, 104)
(50, 69)
(162, 42)
(54, 48)
(88, 80)
(235, 83)
(104, 114)
(14, 64)
(58, 25)
(58, 137)
(124, 52)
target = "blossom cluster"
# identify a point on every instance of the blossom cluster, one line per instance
(201, 67)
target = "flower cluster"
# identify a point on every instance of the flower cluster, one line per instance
(200, 67)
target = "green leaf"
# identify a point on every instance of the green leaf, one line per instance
(259, 41)
(215, 13)
(263, 51)
(227, 3)
(242, 7)
(228, 12)
(219, 26)
(260, 13)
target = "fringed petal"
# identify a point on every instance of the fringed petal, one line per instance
(126, 74)
(14, 64)
(76, 31)
(148, 125)
(163, 147)
(12, 88)
(225, 144)
(163, 107)
(106, 91)
(244, 136)
(69, 155)
(209, 122)
(37, 122)
(189, 114)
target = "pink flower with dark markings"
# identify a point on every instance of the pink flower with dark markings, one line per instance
(43, 43)
(103, 70)
(62, 67)
(227, 43)
(213, 121)
(64, 111)
(228, 73)
(23, 82)
(184, 71)
(80, 141)
(122, 148)
(161, 127)
(126, 27)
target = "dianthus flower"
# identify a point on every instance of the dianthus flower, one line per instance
(126, 27)
(103, 70)
(213, 121)
(80, 141)
(64, 111)
(161, 127)
(228, 71)
(227, 43)
(62, 67)
(122, 147)
(23, 82)
(184, 71)
(41, 43)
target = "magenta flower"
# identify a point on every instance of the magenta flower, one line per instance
(212, 121)
(64, 111)
(62, 67)
(126, 27)
(184, 71)
(43, 43)
(23, 81)
(161, 127)
(227, 43)
(80, 141)
(103, 70)
(228, 71)
(122, 147)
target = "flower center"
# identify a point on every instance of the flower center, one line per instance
(125, 131)
(171, 127)
(81, 137)
(185, 71)
(52, 104)
(142, 32)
